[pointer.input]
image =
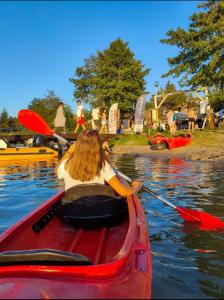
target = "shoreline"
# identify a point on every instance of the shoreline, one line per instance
(199, 153)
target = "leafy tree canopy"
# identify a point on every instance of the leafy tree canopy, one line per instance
(111, 76)
(47, 106)
(173, 101)
(200, 60)
(216, 99)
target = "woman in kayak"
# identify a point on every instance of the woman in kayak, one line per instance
(85, 163)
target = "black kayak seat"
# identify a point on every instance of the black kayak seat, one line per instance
(92, 189)
(43, 257)
(93, 205)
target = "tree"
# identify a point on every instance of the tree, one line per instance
(47, 106)
(111, 76)
(84, 85)
(170, 97)
(201, 59)
(14, 124)
(175, 100)
(216, 99)
(4, 119)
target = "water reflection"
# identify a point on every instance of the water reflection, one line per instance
(23, 186)
(179, 270)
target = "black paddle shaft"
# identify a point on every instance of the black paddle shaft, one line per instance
(147, 190)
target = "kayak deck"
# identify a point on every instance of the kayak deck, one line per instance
(120, 257)
(179, 141)
(27, 153)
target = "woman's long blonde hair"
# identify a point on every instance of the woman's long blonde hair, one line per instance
(88, 157)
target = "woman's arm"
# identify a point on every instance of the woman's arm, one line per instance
(123, 188)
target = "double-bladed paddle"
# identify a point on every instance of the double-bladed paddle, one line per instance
(205, 221)
(36, 123)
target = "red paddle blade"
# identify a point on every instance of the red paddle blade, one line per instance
(34, 122)
(205, 220)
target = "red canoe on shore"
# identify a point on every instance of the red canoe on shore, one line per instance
(63, 262)
(164, 142)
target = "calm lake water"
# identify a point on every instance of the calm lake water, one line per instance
(179, 270)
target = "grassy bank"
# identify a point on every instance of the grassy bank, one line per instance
(207, 138)
(130, 140)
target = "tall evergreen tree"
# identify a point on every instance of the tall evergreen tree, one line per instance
(111, 76)
(4, 119)
(201, 58)
(14, 124)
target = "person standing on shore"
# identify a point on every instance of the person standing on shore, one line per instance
(103, 116)
(60, 120)
(191, 118)
(170, 121)
(80, 116)
(96, 119)
(211, 118)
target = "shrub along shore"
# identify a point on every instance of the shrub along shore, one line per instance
(206, 145)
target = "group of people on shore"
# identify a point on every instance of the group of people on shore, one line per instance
(172, 116)
(87, 163)
(98, 121)
(87, 160)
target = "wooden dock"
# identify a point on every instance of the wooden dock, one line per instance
(21, 138)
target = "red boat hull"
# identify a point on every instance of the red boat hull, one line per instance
(120, 254)
(179, 141)
(173, 142)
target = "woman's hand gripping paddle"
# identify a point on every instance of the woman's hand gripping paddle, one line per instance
(205, 221)
(31, 120)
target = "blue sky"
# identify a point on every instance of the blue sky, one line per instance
(42, 42)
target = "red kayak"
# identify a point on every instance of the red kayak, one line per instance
(59, 261)
(162, 142)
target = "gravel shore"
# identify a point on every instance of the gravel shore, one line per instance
(201, 153)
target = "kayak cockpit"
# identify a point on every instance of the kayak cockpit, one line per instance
(47, 237)
(64, 262)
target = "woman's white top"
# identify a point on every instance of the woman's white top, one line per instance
(104, 119)
(106, 174)
(80, 111)
(96, 113)
(169, 117)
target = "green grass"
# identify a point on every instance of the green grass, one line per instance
(207, 138)
(129, 139)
